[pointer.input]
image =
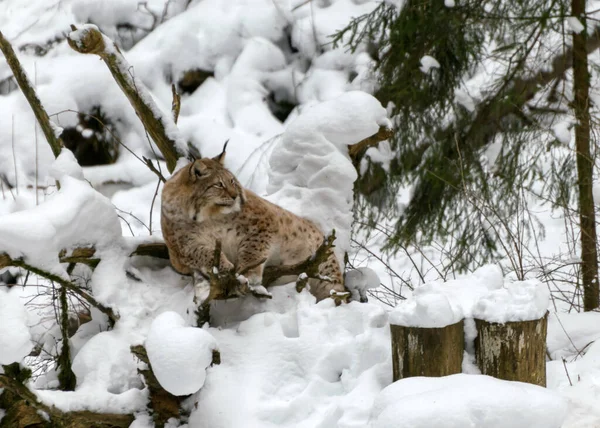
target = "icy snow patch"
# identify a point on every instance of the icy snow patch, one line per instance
(517, 301)
(179, 354)
(15, 339)
(449, 3)
(463, 400)
(427, 63)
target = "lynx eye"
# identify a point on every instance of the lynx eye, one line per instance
(219, 185)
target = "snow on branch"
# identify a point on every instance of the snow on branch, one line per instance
(6, 261)
(160, 126)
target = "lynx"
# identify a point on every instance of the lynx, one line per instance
(204, 202)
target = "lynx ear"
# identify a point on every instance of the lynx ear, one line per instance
(197, 170)
(221, 158)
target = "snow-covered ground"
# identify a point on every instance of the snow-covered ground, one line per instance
(285, 362)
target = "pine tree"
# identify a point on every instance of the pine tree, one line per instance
(516, 57)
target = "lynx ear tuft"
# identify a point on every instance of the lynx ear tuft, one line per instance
(221, 158)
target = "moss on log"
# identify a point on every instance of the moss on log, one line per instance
(432, 352)
(513, 351)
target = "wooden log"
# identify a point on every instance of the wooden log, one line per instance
(513, 351)
(432, 352)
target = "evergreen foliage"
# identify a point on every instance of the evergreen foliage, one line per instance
(471, 160)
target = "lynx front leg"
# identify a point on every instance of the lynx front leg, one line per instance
(199, 256)
(253, 254)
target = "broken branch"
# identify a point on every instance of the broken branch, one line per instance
(160, 127)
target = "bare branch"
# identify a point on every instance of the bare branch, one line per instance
(55, 142)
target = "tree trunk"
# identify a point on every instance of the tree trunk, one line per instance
(432, 352)
(581, 89)
(513, 351)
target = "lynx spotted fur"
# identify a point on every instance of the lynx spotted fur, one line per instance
(204, 202)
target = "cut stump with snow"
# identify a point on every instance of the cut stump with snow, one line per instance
(435, 352)
(513, 350)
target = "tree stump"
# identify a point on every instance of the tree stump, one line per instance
(434, 352)
(513, 351)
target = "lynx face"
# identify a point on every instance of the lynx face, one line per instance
(208, 190)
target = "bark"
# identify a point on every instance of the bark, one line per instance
(513, 351)
(427, 351)
(358, 150)
(585, 163)
(31, 96)
(160, 127)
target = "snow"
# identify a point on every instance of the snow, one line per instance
(485, 294)
(287, 361)
(517, 301)
(428, 311)
(66, 164)
(15, 339)
(359, 280)
(562, 131)
(467, 401)
(179, 354)
(427, 63)
(298, 364)
(311, 173)
(575, 24)
(75, 215)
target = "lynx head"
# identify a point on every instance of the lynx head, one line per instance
(204, 189)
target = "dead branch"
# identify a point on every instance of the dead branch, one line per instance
(161, 127)
(358, 150)
(6, 260)
(24, 83)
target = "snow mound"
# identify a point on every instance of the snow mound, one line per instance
(517, 301)
(428, 310)
(15, 339)
(310, 365)
(75, 215)
(179, 354)
(467, 401)
(311, 172)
